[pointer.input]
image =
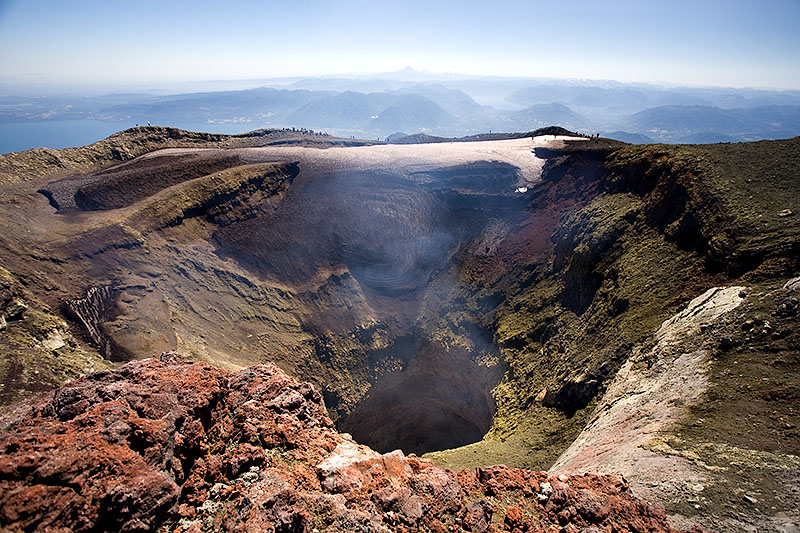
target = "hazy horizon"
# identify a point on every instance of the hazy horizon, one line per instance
(167, 87)
(116, 47)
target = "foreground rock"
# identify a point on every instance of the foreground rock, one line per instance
(189, 447)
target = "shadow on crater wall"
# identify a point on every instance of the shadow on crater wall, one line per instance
(441, 400)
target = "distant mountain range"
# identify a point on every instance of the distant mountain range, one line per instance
(444, 105)
(703, 123)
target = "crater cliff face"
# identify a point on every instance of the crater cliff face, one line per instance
(476, 300)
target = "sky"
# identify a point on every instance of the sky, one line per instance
(734, 43)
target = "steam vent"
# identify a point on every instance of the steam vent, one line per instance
(280, 331)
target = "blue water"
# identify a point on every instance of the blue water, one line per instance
(66, 133)
(54, 134)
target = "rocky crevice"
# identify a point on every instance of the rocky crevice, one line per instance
(91, 312)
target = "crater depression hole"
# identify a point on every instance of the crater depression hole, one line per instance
(372, 259)
(441, 399)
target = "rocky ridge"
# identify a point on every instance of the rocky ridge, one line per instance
(31, 165)
(177, 446)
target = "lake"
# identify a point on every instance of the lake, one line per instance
(66, 133)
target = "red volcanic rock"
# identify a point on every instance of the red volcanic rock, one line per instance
(194, 448)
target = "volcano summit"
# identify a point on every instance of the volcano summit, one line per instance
(540, 300)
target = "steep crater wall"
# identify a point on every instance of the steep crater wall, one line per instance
(398, 235)
(340, 276)
(391, 230)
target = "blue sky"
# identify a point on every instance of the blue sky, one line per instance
(732, 43)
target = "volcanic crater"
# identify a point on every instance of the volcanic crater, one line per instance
(479, 302)
(369, 251)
